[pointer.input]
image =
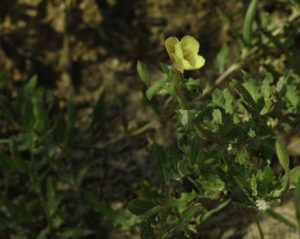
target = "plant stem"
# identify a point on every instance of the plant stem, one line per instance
(177, 77)
(258, 227)
(288, 180)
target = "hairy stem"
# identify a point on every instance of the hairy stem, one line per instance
(177, 77)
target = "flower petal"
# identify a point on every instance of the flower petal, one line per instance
(170, 44)
(177, 63)
(189, 45)
(177, 58)
(193, 62)
(200, 61)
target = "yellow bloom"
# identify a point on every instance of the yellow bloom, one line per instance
(184, 53)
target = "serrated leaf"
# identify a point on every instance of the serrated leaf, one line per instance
(252, 87)
(151, 212)
(194, 85)
(181, 202)
(246, 96)
(140, 206)
(223, 99)
(162, 165)
(183, 220)
(147, 231)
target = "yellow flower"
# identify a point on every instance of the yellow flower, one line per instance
(184, 53)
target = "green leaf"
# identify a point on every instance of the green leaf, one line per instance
(151, 212)
(223, 99)
(143, 72)
(18, 163)
(242, 156)
(165, 69)
(87, 168)
(222, 60)
(297, 203)
(31, 85)
(295, 175)
(175, 159)
(246, 96)
(162, 165)
(184, 219)
(292, 95)
(267, 94)
(154, 88)
(282, 155)
(53, 200)
(147, 231)
(252, 87)
(43, 234)
(140, 206)
(194, 85)
(64, 174)
(209, 213)
(248, 23)
(181, 203)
